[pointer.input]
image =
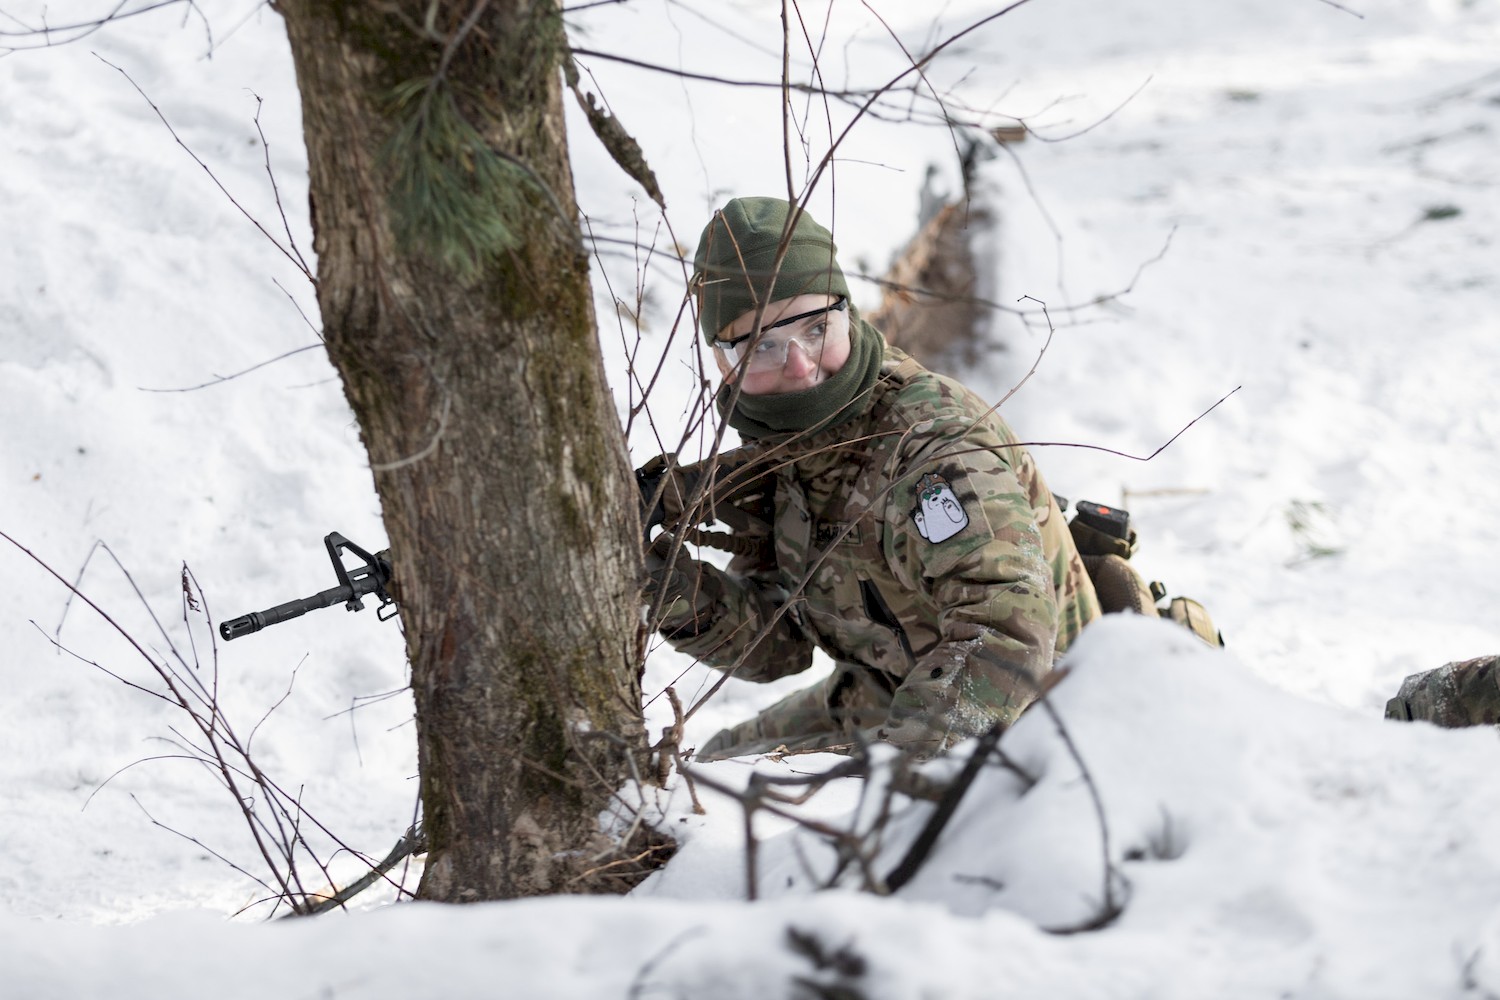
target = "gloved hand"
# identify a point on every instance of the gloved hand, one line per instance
(687, 589)
(665, 487)
(648, 478)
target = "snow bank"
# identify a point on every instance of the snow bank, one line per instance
(1265, 846)
(1263, 843)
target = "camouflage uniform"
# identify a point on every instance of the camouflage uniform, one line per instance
(1455, 695)
(918, 546)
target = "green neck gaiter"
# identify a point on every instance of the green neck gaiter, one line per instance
(843, 397)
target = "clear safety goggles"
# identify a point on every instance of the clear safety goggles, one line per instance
(768, 349)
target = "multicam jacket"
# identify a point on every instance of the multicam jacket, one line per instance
(917, 542)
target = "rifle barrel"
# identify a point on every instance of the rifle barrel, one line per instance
(257, 620)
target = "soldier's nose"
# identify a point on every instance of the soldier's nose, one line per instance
(798, 362)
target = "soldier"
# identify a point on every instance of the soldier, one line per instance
(914, 540)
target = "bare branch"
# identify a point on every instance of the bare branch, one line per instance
(437, 437)
(1095, 124)
(220, 379)
(1346, 10)
(275, 190)
(921, 847)
(412, 843)
(1112, 905)
(295, 258)
(638, 985)
(82, 29)
(200, 844)
(77, 582)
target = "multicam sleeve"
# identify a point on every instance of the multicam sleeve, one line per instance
(735, 618)
(963, 529)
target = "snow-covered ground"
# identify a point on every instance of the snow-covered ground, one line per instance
(1321, 178)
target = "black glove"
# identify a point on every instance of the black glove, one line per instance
(686, 589)
(649, 479)
(665, 488)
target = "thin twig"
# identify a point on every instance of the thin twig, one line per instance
(1346, 10)
(639, 983)
(432, 445)
(294, 258)
(200, 844)
(218, 379)
(1094, 124)
(1111, 906)
(286, 227)
(77, 582)
(84, 28)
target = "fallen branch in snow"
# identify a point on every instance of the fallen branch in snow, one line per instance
(412, 843)
(762, 793)
(844, 966)
(668, 751)
(1113, 904)
(858, 846)
(1346, 10)
(917, 854)
(638, 985)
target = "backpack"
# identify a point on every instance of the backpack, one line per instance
(1106, 541)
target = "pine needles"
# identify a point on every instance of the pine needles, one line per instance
(453, 196)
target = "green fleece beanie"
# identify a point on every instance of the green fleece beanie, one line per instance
(735, 266)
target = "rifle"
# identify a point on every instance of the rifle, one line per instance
(735, 488)
(354, 584)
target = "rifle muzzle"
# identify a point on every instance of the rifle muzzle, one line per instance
(243, 625)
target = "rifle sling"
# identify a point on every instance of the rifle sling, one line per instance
(740, 545)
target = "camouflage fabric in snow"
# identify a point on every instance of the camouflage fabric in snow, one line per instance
(1465, 693)
(919, 547)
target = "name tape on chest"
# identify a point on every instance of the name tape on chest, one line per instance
(830, 532)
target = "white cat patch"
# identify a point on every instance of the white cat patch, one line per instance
(938, 515)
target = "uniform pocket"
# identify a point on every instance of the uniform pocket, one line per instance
(879, 612)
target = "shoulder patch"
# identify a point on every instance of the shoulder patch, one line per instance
(938, 515)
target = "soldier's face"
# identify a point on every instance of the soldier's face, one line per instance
(814, 346)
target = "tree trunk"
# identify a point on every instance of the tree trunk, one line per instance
(496, 451)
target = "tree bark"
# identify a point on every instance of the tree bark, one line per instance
(496, 450)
